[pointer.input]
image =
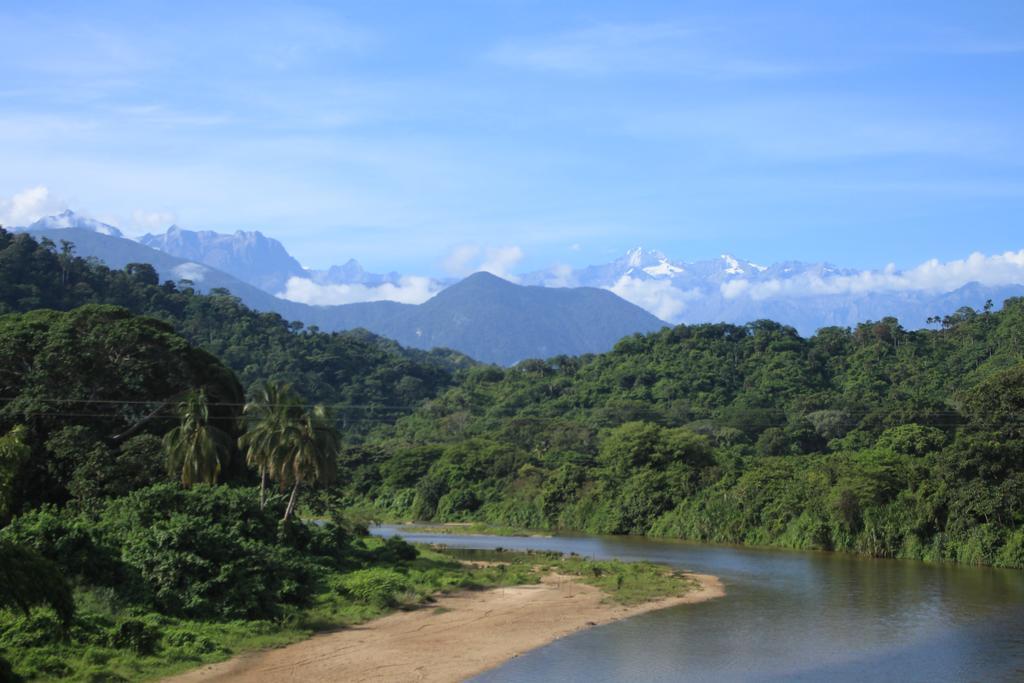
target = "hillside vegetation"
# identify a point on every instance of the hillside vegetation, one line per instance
(368, 380)
(875, 440)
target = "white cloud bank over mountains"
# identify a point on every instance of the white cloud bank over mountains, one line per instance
(931, 276)
(668, 289)
(659, 297)
(678, 292)
(410, 289)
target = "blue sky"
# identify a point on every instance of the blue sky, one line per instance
(860, 133)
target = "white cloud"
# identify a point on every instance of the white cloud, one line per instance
(499, 260)
(931, 276)
(560, 275)
(656, 296)
(459, 261)
(471, 258)
(28, 206)
(190, 271)
(411, 289)
(153, 221)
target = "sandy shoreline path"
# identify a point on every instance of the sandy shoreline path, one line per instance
(457, 637)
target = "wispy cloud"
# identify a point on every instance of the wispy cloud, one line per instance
(152, 221)
(821, 127)
(987, 47)
(411, 289)
(635, 47)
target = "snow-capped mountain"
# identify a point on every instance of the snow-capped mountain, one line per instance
(69, 219)
(807, 296)
(645, 264)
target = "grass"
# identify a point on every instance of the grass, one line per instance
(627, 583)
(99, 647)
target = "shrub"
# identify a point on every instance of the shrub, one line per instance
(375, 586)
(135, 635)
(211, 551)
(189, 643)
(42, 664)
(395, 550)
(40, 627)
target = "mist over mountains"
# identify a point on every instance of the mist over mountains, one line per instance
(807, 296)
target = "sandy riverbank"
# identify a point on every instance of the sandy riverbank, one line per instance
(459, 636)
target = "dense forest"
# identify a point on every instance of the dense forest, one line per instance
(876, 440)
(122, 399)
(365, 378)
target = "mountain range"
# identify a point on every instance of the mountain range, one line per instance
(259, 270)
(733, 290)
(256, 259)
(483, 316)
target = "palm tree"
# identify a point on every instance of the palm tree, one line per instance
(311, 449)
(195, 447)
(270, 413)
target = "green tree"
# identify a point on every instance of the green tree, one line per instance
(270, 414)
(309, 446)
(196, 448)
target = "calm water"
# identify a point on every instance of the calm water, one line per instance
(786, 616)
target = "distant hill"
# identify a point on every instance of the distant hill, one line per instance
(483, 316)
(495, 320)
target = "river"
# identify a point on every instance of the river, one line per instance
(793, 616)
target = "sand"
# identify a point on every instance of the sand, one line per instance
(457, 637)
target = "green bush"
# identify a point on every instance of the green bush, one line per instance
(394, 550)
(189, 643)
(37, 628)
(43, 663)
(204, 552)
(135, 635)
(376, 586)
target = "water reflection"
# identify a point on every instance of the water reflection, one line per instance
(787, 616)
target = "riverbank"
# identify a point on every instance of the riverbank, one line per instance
(467, 529)
(458, 636)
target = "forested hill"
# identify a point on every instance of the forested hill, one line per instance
(368, 380)
(876, 440)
